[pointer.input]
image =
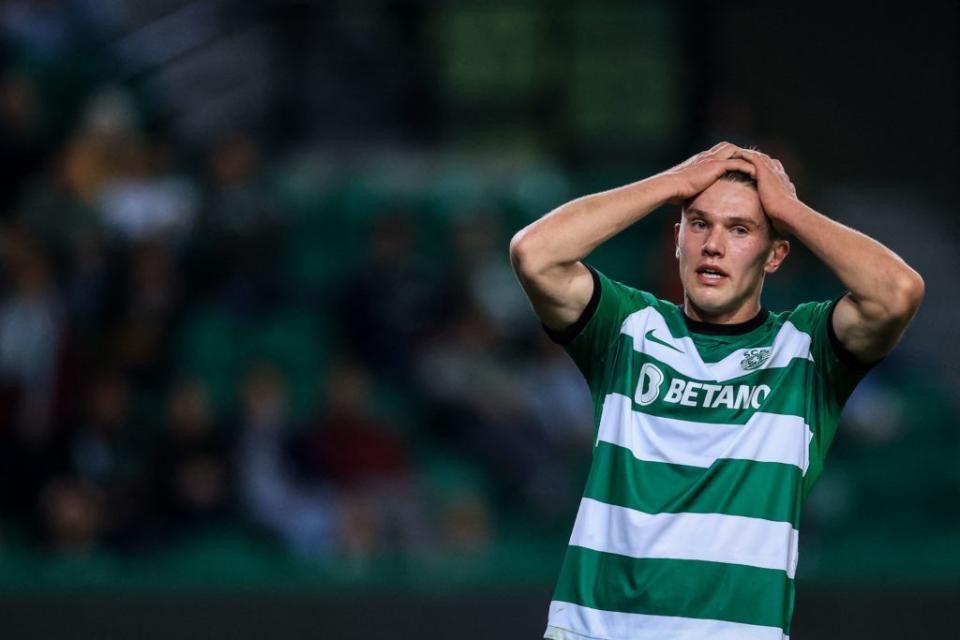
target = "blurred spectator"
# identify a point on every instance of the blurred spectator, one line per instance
(21, 148)
(480, 404)
(466, 523)
(303, 516)
(241, 227)
(71, 513)
(368, 463)
(238, 201)
(128, 179)
(392, 301)
(483, 275)
(191, 468)
(106, 141)
(91, 274)
(559, 399)
(88, 286)
(102, 451)
(147, 199)
(465, 519)
(32, 327)
(148, 312)
(347, 443)
(53, 211)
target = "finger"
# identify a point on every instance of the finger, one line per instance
(747, 155)
(759, 159)
(750, 153)
(760, 153)
(735, 164)
(724, 149)
(730, 152)
(772, 162)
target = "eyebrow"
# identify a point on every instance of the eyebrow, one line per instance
(747, 222)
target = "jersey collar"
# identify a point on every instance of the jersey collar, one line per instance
(712, 328)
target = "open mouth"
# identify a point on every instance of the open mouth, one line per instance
(710, 274)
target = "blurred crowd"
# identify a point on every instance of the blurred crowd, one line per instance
(113, 238)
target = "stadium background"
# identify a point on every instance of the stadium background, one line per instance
(264, 368)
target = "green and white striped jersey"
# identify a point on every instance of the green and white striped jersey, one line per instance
(708, 439)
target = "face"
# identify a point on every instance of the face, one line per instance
(724, 248)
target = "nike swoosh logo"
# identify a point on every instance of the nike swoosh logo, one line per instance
(649, 336)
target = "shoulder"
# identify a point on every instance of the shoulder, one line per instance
(622, 301)
(815, 319)
(611, 303)
(806, 316)
(605, 285)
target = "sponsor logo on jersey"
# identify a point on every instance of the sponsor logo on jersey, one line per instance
(689, 393)
(652, 338)
(754, 358)
(648, 388)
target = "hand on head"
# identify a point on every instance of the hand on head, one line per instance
(774, 186)
(700, 171)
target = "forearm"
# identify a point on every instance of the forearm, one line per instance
(572, 231)
(881, 284)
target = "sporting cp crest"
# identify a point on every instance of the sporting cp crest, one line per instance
(754, 358)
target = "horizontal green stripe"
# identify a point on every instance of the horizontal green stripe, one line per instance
(790, 387)
(684, 588)
(768, 490)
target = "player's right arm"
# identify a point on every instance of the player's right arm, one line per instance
(546, 254)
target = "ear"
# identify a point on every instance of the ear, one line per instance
(676, 238)
(779, 249)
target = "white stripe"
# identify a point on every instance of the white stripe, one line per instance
(713, 537)
(789, 343)
(766, 437)
(568, 621)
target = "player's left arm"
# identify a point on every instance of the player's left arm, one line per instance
(884, 291)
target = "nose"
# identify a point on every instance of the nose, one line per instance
(713, 243)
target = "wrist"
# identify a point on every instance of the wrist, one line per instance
(787, 214)
(668, 188)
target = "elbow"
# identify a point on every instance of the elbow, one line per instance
(535, 251)
(522, 255)
(907, 294)
(918, 291)
(517, 245)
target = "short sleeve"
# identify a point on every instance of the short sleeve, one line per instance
(839, 369)
(837, 373)
(591, 338)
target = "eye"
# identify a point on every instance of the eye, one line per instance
(740, 231)
(698, 224)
